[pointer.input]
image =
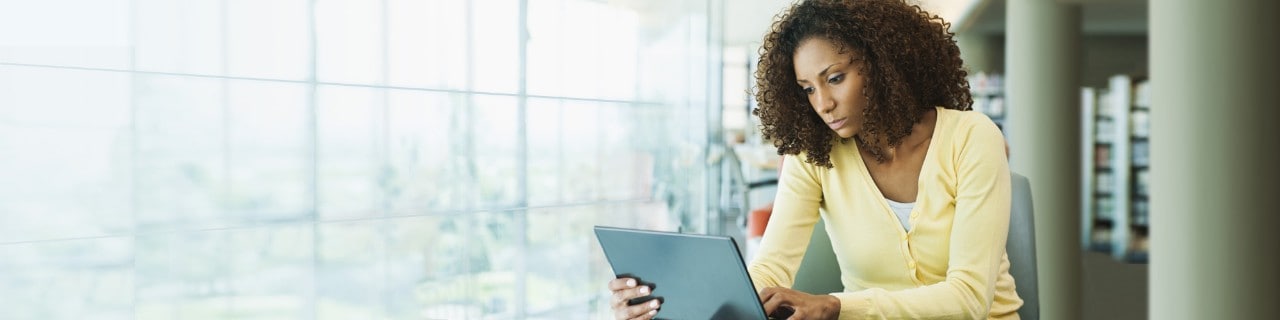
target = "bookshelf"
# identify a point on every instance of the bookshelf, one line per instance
(988, 97)
(1095, 171)
(1115, 141)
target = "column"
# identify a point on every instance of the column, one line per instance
(1042, 69)
(976, 50)
(1214, 157)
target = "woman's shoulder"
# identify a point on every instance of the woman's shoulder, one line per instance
(961, 116)
(839, 155)
(963, 122)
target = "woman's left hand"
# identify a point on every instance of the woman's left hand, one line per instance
(804, 306)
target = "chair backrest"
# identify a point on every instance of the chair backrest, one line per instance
(820, 273)
(1021, 248)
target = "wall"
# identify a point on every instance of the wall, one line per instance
(1103, 55)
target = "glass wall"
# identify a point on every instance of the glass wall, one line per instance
(342, 159)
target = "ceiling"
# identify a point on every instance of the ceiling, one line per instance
(1100, 17)
(747, 20)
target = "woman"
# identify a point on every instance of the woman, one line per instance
(867, 100)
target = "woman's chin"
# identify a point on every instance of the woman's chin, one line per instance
(845, 133)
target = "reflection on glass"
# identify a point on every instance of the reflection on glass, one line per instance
(76, 279)
(349, 151)
(470, 264)
(257, 273)
(180, 163)
(268, 39)
(351, 271)
(495, 45)
(565, 263)
(179, 36)
(66, 33)
(423, 175)
(568, 59)
(560, 260)
(349, 41)
(582, 151)
(425, 44)
(65, 157)
(385, 159)
(490, 149)
(268, 139)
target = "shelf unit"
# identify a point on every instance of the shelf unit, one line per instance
(1115, 141)
(988, 97)
(1095, 171)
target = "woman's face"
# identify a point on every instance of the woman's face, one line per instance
(832, 82)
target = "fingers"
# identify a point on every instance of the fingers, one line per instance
(621, 283)
(791, 304)
(783, 303)
(798, 315)
(771, 299)
(625, 289)
(640, 311)
(620, 297)
(772, 305)
(768, 293)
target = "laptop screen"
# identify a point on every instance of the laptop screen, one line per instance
(697, 276)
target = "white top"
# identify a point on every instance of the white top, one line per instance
(903, 211)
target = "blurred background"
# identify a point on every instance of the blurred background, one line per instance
(446, 159)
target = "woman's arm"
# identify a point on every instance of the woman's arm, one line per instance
(795, 212)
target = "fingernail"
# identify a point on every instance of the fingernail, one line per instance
(653, 312)
(653, 304)
(644, 290)
(631, 282)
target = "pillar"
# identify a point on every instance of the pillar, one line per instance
(1213, 159)
(975, 49)
(1042, 65)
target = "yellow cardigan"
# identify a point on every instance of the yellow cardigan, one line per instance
(951, 265)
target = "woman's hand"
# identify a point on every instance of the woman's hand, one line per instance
(804, 306)
(625, 289)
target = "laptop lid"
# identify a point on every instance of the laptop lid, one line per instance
(697, 276)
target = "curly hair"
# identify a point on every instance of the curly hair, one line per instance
(911, 64)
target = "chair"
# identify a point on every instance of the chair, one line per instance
(820, 273)
(1021, 248)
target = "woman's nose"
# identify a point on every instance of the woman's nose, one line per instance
(824, 102)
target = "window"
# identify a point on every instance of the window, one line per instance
(341, 159)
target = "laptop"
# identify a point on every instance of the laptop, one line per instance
(696, 276)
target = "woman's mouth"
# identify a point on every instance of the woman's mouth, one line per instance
(837, 124)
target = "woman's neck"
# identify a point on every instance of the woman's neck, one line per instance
(921, 133)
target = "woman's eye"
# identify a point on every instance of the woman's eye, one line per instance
(836, 79)
(807, 90)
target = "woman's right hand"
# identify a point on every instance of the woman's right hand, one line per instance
(625, 289)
